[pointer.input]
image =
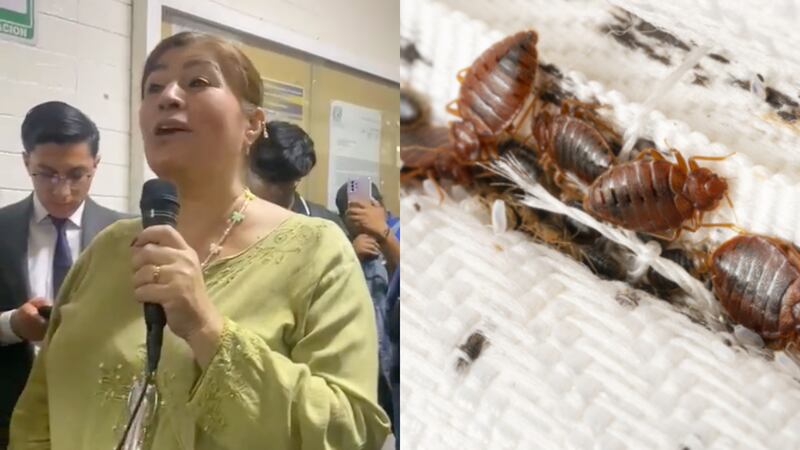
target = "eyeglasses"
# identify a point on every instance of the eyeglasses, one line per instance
(55, 179)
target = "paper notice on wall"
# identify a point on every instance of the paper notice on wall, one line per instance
(284, 101)
(355, 138)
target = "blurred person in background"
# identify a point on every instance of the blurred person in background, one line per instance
(377, 245)
(378, 226)
(279, 162)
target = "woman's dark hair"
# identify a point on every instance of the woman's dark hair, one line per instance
(286, 155)
(58, 123)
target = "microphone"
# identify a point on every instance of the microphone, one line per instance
(159, 206)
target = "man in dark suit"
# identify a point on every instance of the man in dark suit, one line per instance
(41, 236)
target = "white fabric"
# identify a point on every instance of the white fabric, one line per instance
(7, 335)
(571, 364)
(42, 238)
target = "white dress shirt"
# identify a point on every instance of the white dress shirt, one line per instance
(42, 236)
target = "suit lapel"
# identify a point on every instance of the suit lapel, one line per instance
(90, 223)
(20, 229)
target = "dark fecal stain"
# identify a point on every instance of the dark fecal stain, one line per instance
(410, 54)
(472, 348)
(551, 69)
(627, 299)
(411, 108)
(653, 55)
(777, 99)
(743, 84)
(652, 31)
(700, 80)
(417, 207)
(788, 116)
(623, 35)
(718, 57)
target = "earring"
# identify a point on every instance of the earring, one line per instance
(265, 132)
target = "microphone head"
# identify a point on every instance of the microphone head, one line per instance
(159, 203)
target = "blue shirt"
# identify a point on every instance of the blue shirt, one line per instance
(394, 224)
(378, 283)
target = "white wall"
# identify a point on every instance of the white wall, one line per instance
(369, 29)
(82, 57)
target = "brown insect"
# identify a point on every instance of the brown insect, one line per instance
(603, 258)
(494, 89)
(452, 160)
(424, 137)
(472, 348)
(571, 145)
(493, 92)
(757, 281)
(655, 196)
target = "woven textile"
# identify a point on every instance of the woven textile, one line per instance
(573, 361)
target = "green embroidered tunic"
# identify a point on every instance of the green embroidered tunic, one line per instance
(296, 368)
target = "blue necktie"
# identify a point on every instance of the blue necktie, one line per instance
(62, 259)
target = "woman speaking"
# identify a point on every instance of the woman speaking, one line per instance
(270, 339)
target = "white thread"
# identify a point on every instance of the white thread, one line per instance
(644, 260)
(700, 300)
(664, 85)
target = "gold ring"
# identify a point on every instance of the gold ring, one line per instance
(156, 274)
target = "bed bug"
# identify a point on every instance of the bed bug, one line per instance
(601, 257)
(655, 196)
(424, 136)
(452, 160)
(475, 345)
(494, 90)
(757, 281)
(572, 145)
